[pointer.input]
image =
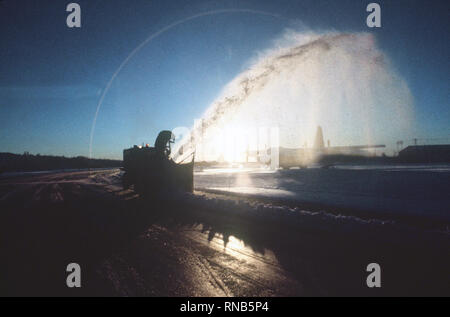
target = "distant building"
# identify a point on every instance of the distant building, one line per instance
(426, 153)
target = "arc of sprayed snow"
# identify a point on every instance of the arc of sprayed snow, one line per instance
(149, 39)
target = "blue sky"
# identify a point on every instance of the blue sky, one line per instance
(52, 77)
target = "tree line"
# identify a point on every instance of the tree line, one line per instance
(26, 162)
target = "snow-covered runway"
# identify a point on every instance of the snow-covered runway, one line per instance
(413, 190)
(211, 244)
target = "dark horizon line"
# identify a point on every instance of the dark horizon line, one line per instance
(26, 153)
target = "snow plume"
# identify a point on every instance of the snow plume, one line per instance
(340, 81)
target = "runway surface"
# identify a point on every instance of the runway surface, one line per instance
(197, 245)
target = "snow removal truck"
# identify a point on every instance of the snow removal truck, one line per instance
(152, 172)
